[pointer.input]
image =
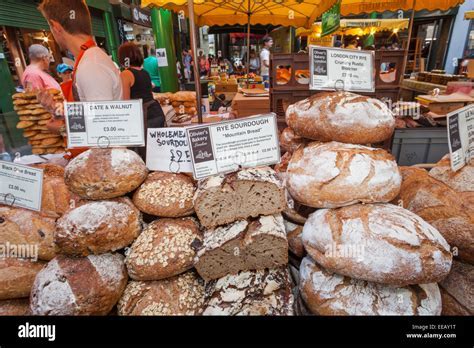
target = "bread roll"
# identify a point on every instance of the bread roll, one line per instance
(381, 243)
(289, 141)
(105, 173)
(461, 180)
(166, 195)
(294, 235)
(341, 116)
(89, 285)
(17, 276)
(459, 286)
(331, 175)
(183, 96)
(16, 307)
(327, 293)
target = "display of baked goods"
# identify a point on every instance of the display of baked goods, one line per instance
(184, 104)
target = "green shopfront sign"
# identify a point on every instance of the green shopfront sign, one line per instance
(331, 19)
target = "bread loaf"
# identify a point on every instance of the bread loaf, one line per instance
(289, 141)
(105, 173)
(243, 245)
(248, 193)
(183, 96)
(331, 175)
(264, 292)
(179, 295)
(98, 227)
(166, 195)
(461, 180)
(294, 235)
(341, 116)
(17, 276)
(89, 285)
(450, 305)
(459, 288)
(165, 248)
(381, 243)
(327, 293)
(16, 307)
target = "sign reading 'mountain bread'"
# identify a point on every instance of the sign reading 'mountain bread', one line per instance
(227, 146)
(341, 69)
(461, 136)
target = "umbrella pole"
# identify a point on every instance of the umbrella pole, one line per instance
(197, 77)
(410, 29)
(248, 40)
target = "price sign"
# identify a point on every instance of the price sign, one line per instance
(104, 124)
(21, 186)
(461, 136)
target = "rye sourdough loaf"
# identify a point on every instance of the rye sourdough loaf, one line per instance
(449, 211)
(17, 276)
(341, 116)
(263, 292)
(166, 195)
(461, 180)
(459, 290)
(16, 307)
(98, 227)
(89, 285)
(105, 173)
(289, 141)
(179, 295)
(331, 175)
(327, 293)
(250, 192)
(294, 234)
(243, 245)
(381, 243)
(165, 248)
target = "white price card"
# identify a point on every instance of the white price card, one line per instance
(461, 136)
(104, 124)
(337, 68)
(167, 150)
(21, 186)
(227, 146)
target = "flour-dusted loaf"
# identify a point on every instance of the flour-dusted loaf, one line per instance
(28, 228)
(166, 195)
(243, 245)
(263, 292)
(331, 175)
(17, 276)
(461, 180)
(289, 141)
(341, 116)
(15, 307)
(105, 173)
(382, 243)
(165, 248)
(294, 234)
(98, 227)
(89, 285)
(251, 192)
(449, 211)
(327, 293)
(179, 295)
(459, 288)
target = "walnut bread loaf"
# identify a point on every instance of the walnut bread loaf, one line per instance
(248, 193)
(243, 245)
(17, 276)
(381, 243)
(341, 116)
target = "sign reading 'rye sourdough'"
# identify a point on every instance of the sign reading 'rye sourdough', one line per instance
(104, 124)
(461, 136)
(226, 146)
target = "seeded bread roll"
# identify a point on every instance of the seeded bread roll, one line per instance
(16, 307)
(341, 116)
(459, 288)
(243, 245)
(327, 293)
(179, 295)
(461, 180)
(165, 248)
(166, 195)
(248, 193)
(89, 285)
(331, 175)
(105, 173)
(264, 292)
(17, 276)
(381, 243)
(98, 227)
(294, 234)
(289, 141)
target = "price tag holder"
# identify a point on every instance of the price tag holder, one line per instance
(227, 146)
(337, 68)
(168, 150)
(104, 124)
(461, 136)
(21, 186)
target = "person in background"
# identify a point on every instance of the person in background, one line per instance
(187, 59)
(203, 64)
(65, 72)
(35, 75)
(254, 63)
(265, 59)
(352, 45)
(150, 65)
(338, 44)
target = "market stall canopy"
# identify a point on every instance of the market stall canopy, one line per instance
(226, 29)
(469, 15)
(352, 7)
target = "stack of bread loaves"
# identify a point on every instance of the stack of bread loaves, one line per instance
(184, 104)
(365, 256)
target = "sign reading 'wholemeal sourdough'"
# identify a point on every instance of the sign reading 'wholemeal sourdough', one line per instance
(227, 146)
(461, 136)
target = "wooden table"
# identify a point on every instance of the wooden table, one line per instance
(411, 88)
(247, 106)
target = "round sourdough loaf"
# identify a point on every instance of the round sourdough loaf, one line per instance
(105, 173)
(461, 180)
(166, 195)
(179, 295)
(98, 227)
(16, 307)
(382, 243)
(341, 116)
(289, 141)
(294, 234)
(89, 285)
(17, 276)
(331, 175)
(327, 293)
(165, 248)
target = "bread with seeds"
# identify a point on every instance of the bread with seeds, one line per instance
(17, 275)
(166, 195)
(165, 248)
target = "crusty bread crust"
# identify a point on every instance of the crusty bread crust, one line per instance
(17, 277)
